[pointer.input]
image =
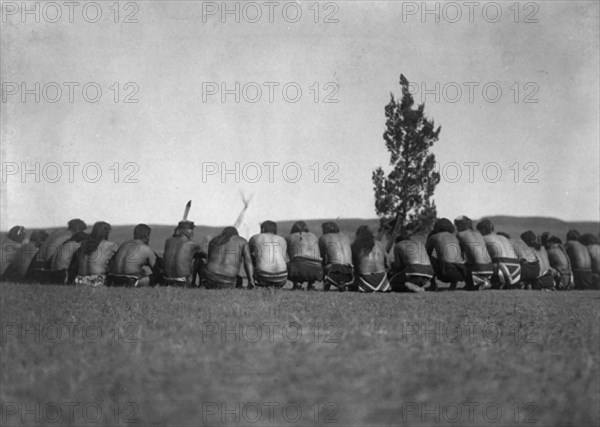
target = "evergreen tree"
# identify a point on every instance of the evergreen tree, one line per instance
(403, 198)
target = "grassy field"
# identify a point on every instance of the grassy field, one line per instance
(168, 356)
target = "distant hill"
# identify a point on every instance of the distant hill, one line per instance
(509, 224)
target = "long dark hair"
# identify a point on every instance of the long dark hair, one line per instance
(223, 238)
(364, 242)
(100, 232)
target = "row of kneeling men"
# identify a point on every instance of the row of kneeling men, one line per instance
(481, 258)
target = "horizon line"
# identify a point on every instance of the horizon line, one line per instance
(316, 219)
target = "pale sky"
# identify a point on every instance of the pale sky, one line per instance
(177, 129)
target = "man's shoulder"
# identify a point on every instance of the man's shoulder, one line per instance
(239, 239)
(192, 244)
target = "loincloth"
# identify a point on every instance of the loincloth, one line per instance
(374, 282)
(128, 280)
(263, 278)
(92, 280)
(507, 271)
(219, 281)
(583, 278)
(302, 269)
(338, 275)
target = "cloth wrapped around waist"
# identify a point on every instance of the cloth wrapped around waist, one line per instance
(425, 270)
(91, 280)
(123, 280)
(215, 280)
(482, 269)
(507, 270)
(373, 282)
(303, 269)
(339, 274)
(176, 281)
(264, 278)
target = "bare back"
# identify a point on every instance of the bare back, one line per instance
(473, 246)
(97, 261)
(132, 256)
(446, 247)
(269, 252)
(499, 247)
(542, 256)
(558, 258)
(303, 244)
(63, 258)
(594, 250)
(227, 259)
(578, 254)
(410, 252)
(51, 247)
(335, 248)
(524, 252)
(374, 262)
(178, 256)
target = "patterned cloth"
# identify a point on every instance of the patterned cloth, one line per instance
(263, 278)
(93, 280)
(507, 272)
(338, 275)
(374, 282)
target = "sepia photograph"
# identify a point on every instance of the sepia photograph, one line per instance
(300, 213)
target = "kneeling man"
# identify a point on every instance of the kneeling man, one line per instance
(507, 269)
(545, 275)
(225, 255)
(581, 261)
(559, 260)
(370, 262)
(269, 256)
(411, 269)
(19, 269)
(444, 251)
(336, 251)
(305, 257)
(135, 261)
(182, 256)
(591, 243)
(94, 255)
(475, 252)
(11, 247)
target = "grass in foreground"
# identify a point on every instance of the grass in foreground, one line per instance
(167, 356)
